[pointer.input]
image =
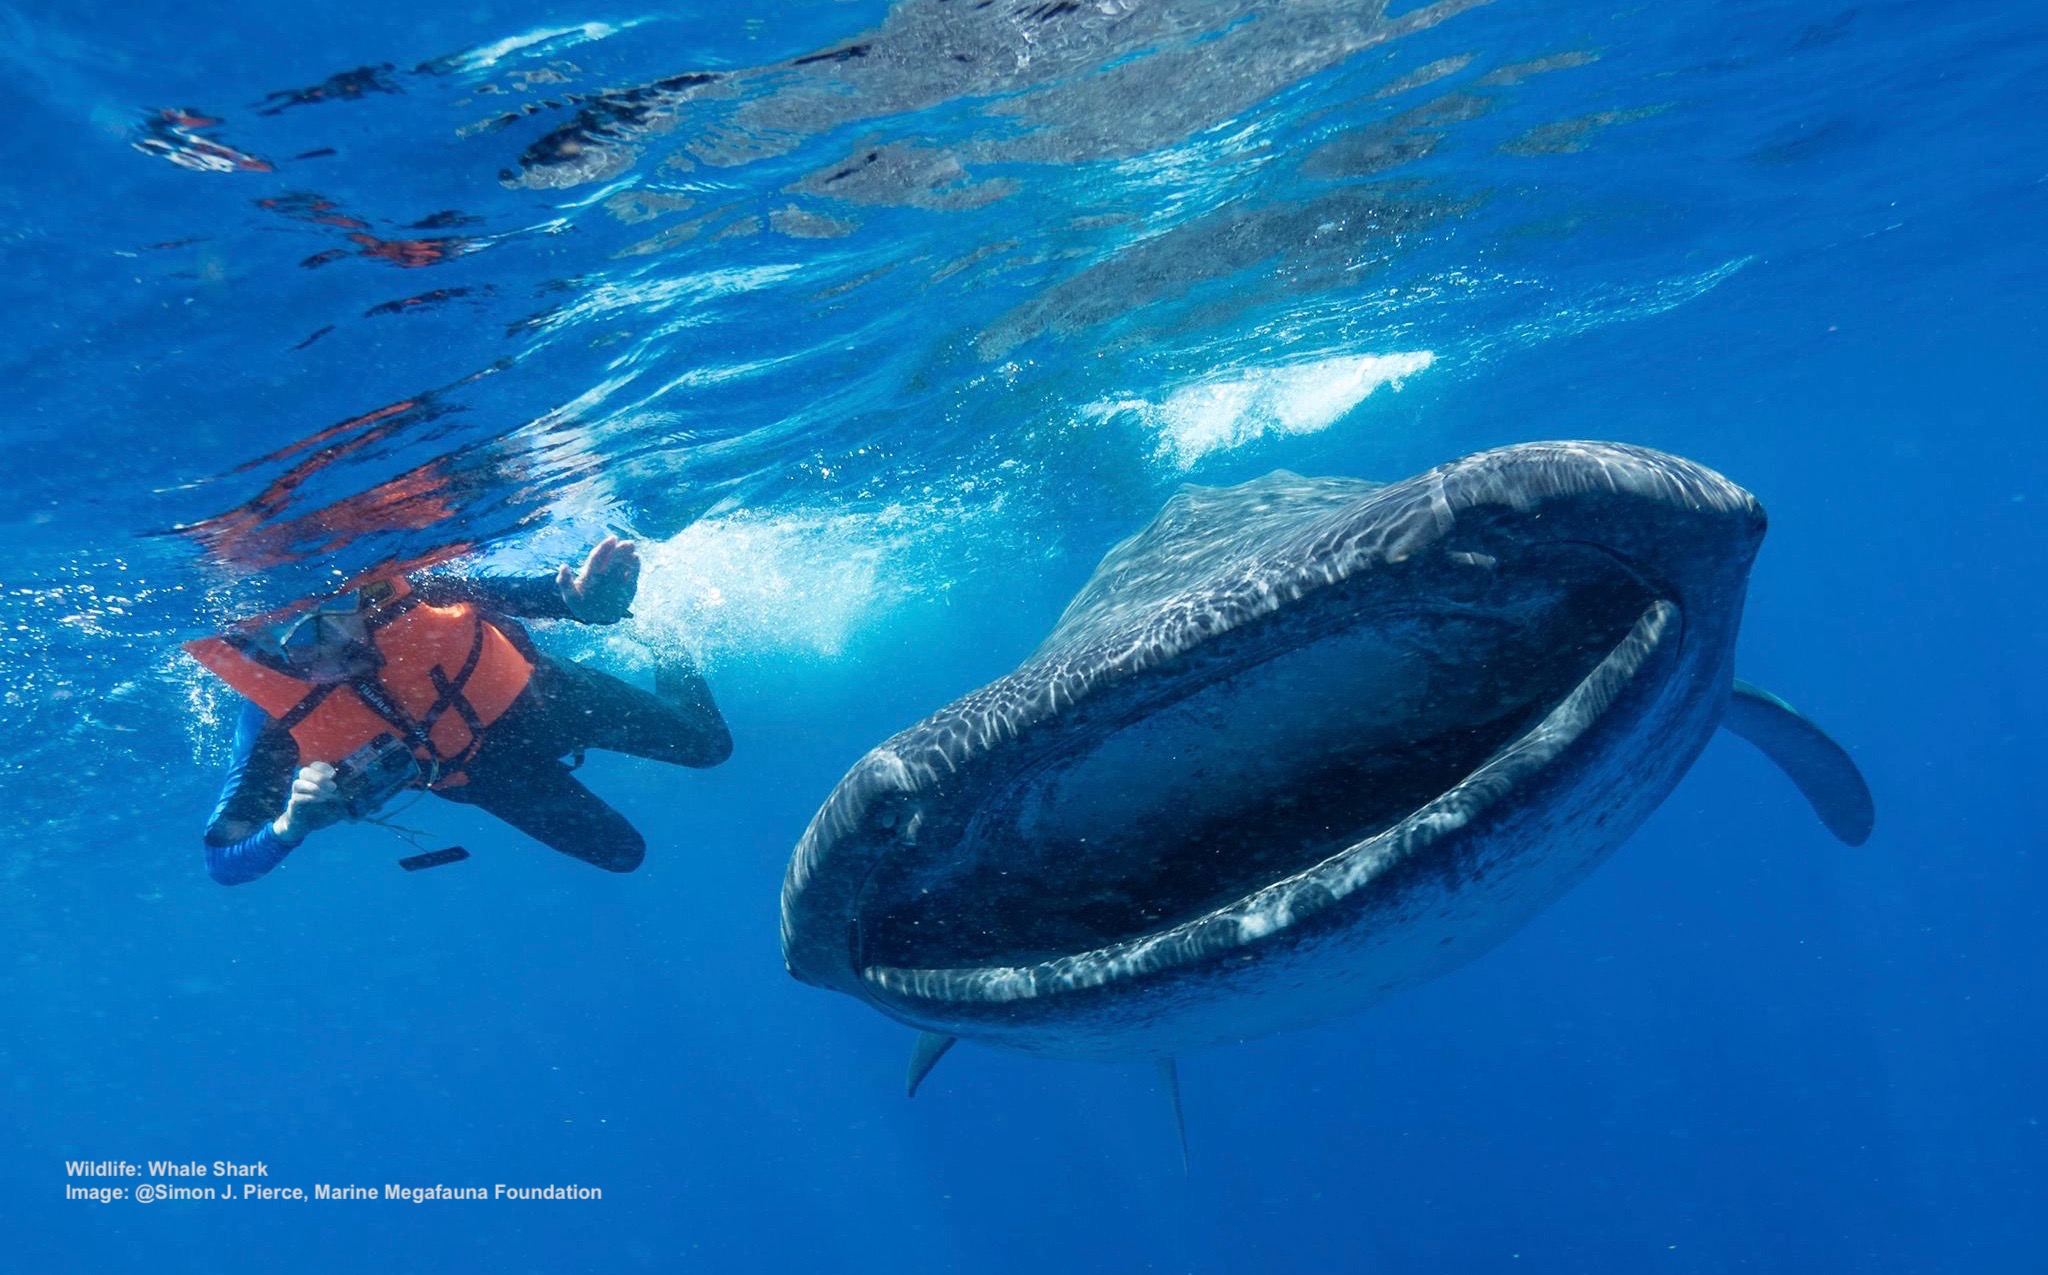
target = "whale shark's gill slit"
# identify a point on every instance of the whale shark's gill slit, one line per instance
(1329, 728)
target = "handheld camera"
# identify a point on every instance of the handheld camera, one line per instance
(374, 774)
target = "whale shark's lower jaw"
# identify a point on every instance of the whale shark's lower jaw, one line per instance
(1268, 921)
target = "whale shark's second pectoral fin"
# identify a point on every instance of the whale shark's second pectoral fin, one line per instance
(1822, 768)
(925, 1055)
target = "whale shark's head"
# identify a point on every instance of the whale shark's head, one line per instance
(1290, 717)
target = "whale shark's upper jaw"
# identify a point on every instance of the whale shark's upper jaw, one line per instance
(1179, 776)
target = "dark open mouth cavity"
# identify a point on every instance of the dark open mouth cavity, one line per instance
(1298, 738)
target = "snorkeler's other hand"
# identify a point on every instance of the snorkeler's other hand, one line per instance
(602, 592)
(315, 804)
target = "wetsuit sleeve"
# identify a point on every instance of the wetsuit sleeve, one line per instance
(521, 597)
(240, 843)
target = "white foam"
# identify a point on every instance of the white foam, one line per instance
(798, 582)
(1225, 412)
(743, 587)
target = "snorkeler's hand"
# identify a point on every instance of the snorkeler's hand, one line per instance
(602, 592)
(315, 804)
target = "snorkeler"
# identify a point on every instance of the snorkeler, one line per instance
(432, 683)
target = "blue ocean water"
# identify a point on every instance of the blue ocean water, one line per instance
(877, 325)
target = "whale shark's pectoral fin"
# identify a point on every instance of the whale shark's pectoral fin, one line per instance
(1822, 768)
(925, 1055)
(1169, 1080)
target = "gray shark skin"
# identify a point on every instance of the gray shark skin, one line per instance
(1299, 744)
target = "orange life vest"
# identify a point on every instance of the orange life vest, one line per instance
(443, 675)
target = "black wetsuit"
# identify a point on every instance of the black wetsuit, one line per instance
(518, 773)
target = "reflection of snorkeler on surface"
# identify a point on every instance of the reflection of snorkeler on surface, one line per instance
(431, 683)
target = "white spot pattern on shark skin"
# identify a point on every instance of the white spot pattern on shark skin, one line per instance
(1240, 407)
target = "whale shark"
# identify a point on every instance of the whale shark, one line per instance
(1299, 744)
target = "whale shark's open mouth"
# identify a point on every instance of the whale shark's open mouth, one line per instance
(1226, 797)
